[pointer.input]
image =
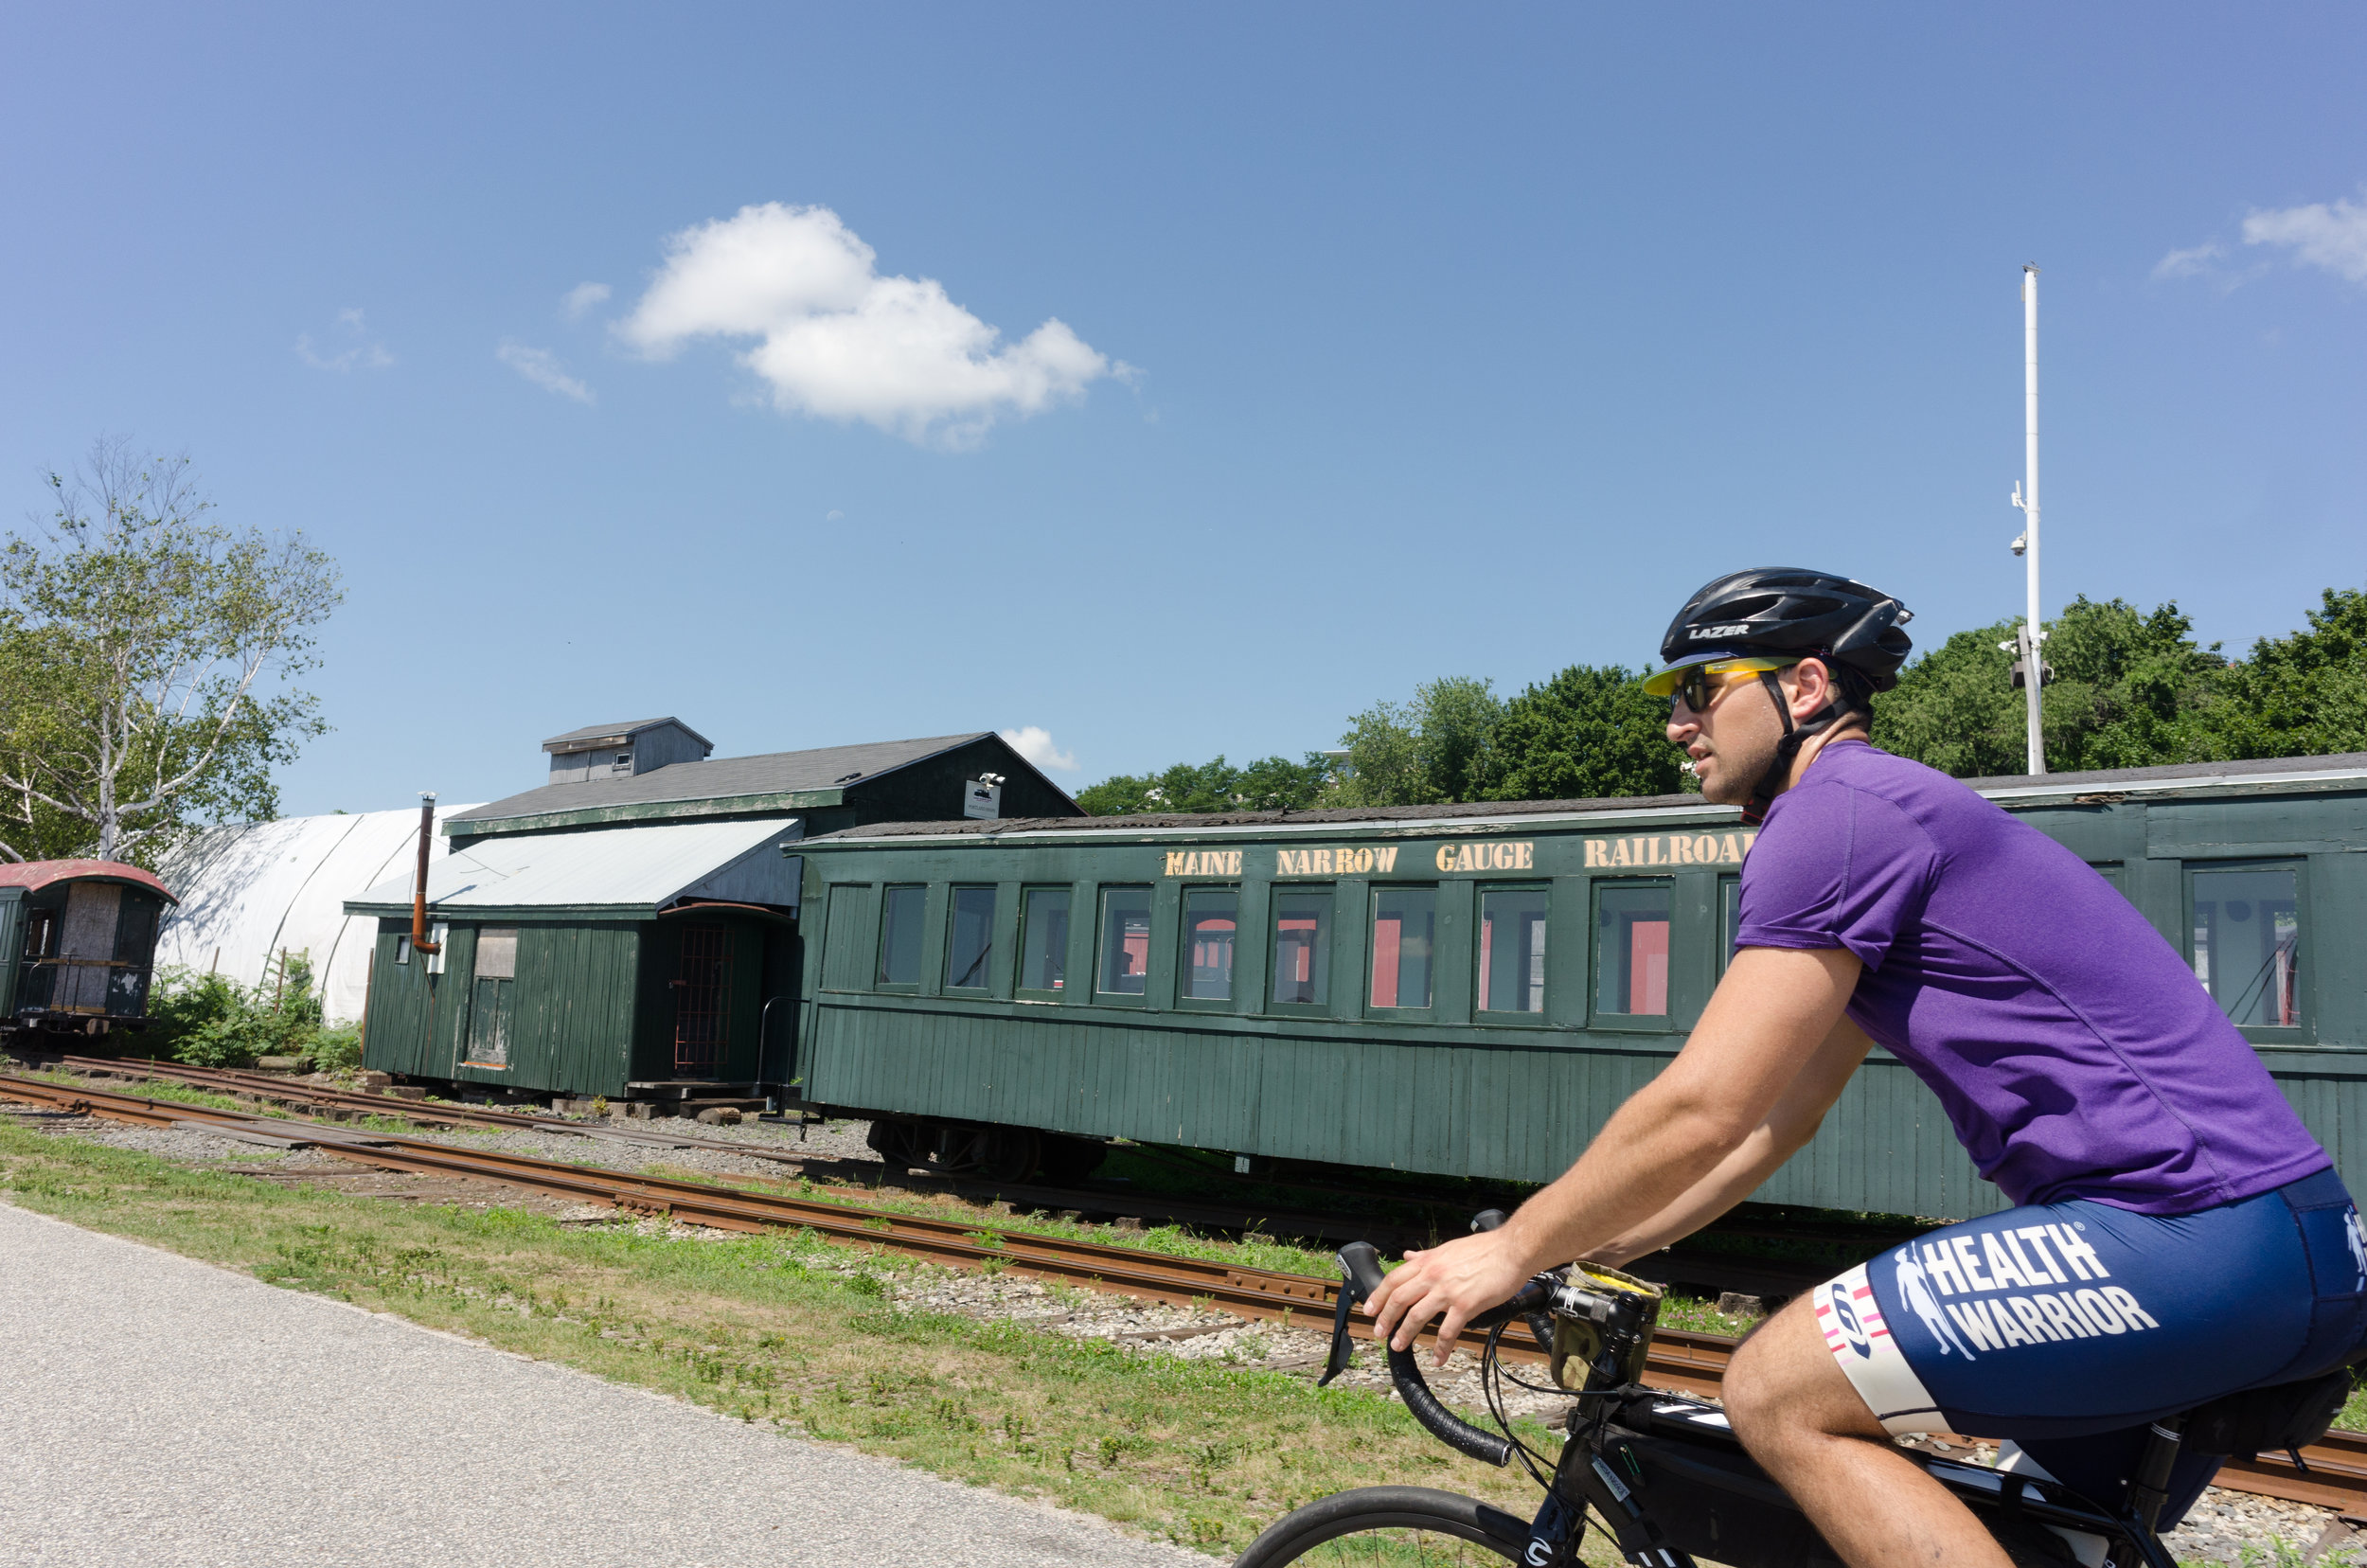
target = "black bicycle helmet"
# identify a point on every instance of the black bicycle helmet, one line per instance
(1790, 612)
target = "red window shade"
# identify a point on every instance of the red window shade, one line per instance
(1648, 967)
(1387, 934)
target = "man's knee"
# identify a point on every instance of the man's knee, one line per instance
(1784, 1380)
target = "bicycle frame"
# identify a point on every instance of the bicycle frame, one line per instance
(1669, 1479)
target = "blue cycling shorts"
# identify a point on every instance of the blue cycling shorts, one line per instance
(2064, 1320)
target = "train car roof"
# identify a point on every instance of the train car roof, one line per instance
(35, 875)
(2266, 775)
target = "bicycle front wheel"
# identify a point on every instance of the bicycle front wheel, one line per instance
(1389, 1526)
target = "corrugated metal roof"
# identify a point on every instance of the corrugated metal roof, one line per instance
(630, 728)
(627, 868)
(779, 773)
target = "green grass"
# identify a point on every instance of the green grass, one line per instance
(794, 1332)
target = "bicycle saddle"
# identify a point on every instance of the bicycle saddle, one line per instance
(2282, 1415)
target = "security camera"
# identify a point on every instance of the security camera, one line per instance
(2020, 543)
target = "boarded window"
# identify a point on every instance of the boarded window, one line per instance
(969, 938)
(497, 954)
(1044, 940)
(1631, 951)
(900, 915)
(2248, 934)
(1512, 950)
(1211, 921)
(1301, 945)
(1405, 938)
(1125, 941)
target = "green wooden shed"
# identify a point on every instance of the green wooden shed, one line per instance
(629, 928)
(632, 962)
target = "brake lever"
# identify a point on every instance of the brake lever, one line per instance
(1342, 1347)
(1359, 1273)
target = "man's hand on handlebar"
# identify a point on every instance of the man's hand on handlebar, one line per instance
(1459, 1279)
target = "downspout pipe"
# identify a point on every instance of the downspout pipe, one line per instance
(418, 886)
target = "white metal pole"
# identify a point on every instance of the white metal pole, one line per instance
(2034, 663)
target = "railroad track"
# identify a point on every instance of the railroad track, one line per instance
(2335, 1475)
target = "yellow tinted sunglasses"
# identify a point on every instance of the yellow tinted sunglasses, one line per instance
(1691, 684)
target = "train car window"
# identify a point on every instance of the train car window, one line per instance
(1405, 938)
(1730, 905)
(1631, 949)
(1512, 950)
(1124, 946)
(40, 934)
(969, 938)
(1211, 921)
(1301, 945)
(2247, 936)
(901, 911)
(1044, 940)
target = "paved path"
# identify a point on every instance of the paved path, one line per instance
(156, 1412)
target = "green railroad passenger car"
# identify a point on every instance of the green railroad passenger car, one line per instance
(1473, 989)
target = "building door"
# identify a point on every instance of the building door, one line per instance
(490, 1004)
(702, 991)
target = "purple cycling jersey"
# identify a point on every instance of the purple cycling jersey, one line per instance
(2075, 1053)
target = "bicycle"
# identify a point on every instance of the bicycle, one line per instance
(1668, 1480)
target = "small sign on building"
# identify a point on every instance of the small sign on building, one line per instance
(982, 797)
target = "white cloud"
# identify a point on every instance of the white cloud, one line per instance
(361, 351)
(542, 368)
(2332, 236)
(1034, 743)
(2193, 262)
(840, 340)
(581, 299)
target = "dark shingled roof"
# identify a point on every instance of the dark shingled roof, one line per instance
(2102, 781)
(776, 772)
(630, 727)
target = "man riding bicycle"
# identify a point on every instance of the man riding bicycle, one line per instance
(2179, 1234)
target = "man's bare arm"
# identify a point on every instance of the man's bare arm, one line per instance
(1785, 1132)
(1770, 1017)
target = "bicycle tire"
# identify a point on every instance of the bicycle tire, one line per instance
(1391, 1526)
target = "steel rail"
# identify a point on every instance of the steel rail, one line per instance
(2335, 1477)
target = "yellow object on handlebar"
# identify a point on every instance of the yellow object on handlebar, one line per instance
(1600, 1311)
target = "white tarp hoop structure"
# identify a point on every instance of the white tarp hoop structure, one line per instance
(247, 893)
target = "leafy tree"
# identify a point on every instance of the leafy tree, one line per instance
(1588, 731)
(2304, 694)
(135, 636)
(1272, 784)
(1435, 748)
(2130, 690)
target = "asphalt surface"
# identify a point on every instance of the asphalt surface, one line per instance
(157, 1411)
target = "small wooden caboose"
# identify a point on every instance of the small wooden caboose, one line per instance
(79, 940)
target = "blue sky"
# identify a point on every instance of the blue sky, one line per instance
(1392, 341)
